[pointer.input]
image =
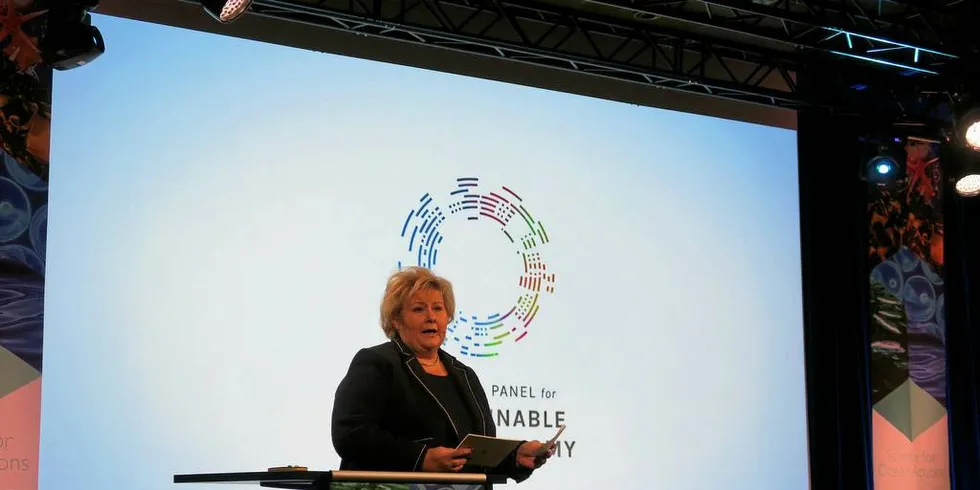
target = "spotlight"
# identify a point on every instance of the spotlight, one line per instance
(963, 169)
(882, 169)
(969, 129)
(71, 41)
(225, 11)
(968, 185)
(883, 166)
(885, 162)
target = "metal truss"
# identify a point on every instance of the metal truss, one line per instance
(745, 50)
(912, 36)
(564, 39)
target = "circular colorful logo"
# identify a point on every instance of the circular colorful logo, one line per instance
(489, 228)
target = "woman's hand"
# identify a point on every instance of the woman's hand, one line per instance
(532, 454)
(445, 459)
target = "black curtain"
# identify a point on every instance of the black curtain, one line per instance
(834, 234)
(962, 257)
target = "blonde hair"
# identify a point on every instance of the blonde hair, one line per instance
(402, 285)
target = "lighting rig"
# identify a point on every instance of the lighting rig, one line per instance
(71, 40)
(908, 62)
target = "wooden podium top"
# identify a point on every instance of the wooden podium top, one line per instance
(293, 479)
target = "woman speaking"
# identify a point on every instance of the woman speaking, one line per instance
(406, 404)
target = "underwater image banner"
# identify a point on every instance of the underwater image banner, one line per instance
(908, 352)
(25, 113)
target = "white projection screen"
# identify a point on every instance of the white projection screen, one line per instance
(224, 213)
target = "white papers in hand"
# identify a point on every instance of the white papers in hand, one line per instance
(550, 443)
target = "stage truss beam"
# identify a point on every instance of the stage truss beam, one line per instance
(643, 52)
(562, 39)
(911, 36)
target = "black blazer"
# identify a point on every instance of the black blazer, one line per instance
(382, 415)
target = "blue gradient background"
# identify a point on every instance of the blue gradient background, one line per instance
(223, 214)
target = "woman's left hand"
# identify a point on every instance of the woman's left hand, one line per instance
(527, 454)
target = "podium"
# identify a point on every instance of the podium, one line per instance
(349, 480)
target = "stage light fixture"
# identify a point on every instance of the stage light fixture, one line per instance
(71, 40)
(968, 185)
(965, 172)
(962, 168)
(884, 165)
(225, 11)
(884, 161)
(970, 129)
(882, 169)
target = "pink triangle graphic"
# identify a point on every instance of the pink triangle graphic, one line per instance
(20, 412)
